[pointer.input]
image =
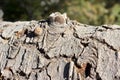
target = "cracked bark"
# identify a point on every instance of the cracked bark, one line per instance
(72, 52)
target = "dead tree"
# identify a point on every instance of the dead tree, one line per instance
(59, 49)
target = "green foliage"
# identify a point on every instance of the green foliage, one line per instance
(94, 12)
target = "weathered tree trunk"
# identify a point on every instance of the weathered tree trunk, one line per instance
(36, 50)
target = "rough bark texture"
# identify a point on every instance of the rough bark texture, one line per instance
(38, 50)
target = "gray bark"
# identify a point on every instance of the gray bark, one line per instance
(36, 50)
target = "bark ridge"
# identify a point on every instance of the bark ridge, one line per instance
(53, 50)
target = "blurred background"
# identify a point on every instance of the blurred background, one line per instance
(93, 12)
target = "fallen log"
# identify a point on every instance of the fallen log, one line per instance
(59, 49)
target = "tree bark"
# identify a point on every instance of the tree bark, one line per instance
(35, 50)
